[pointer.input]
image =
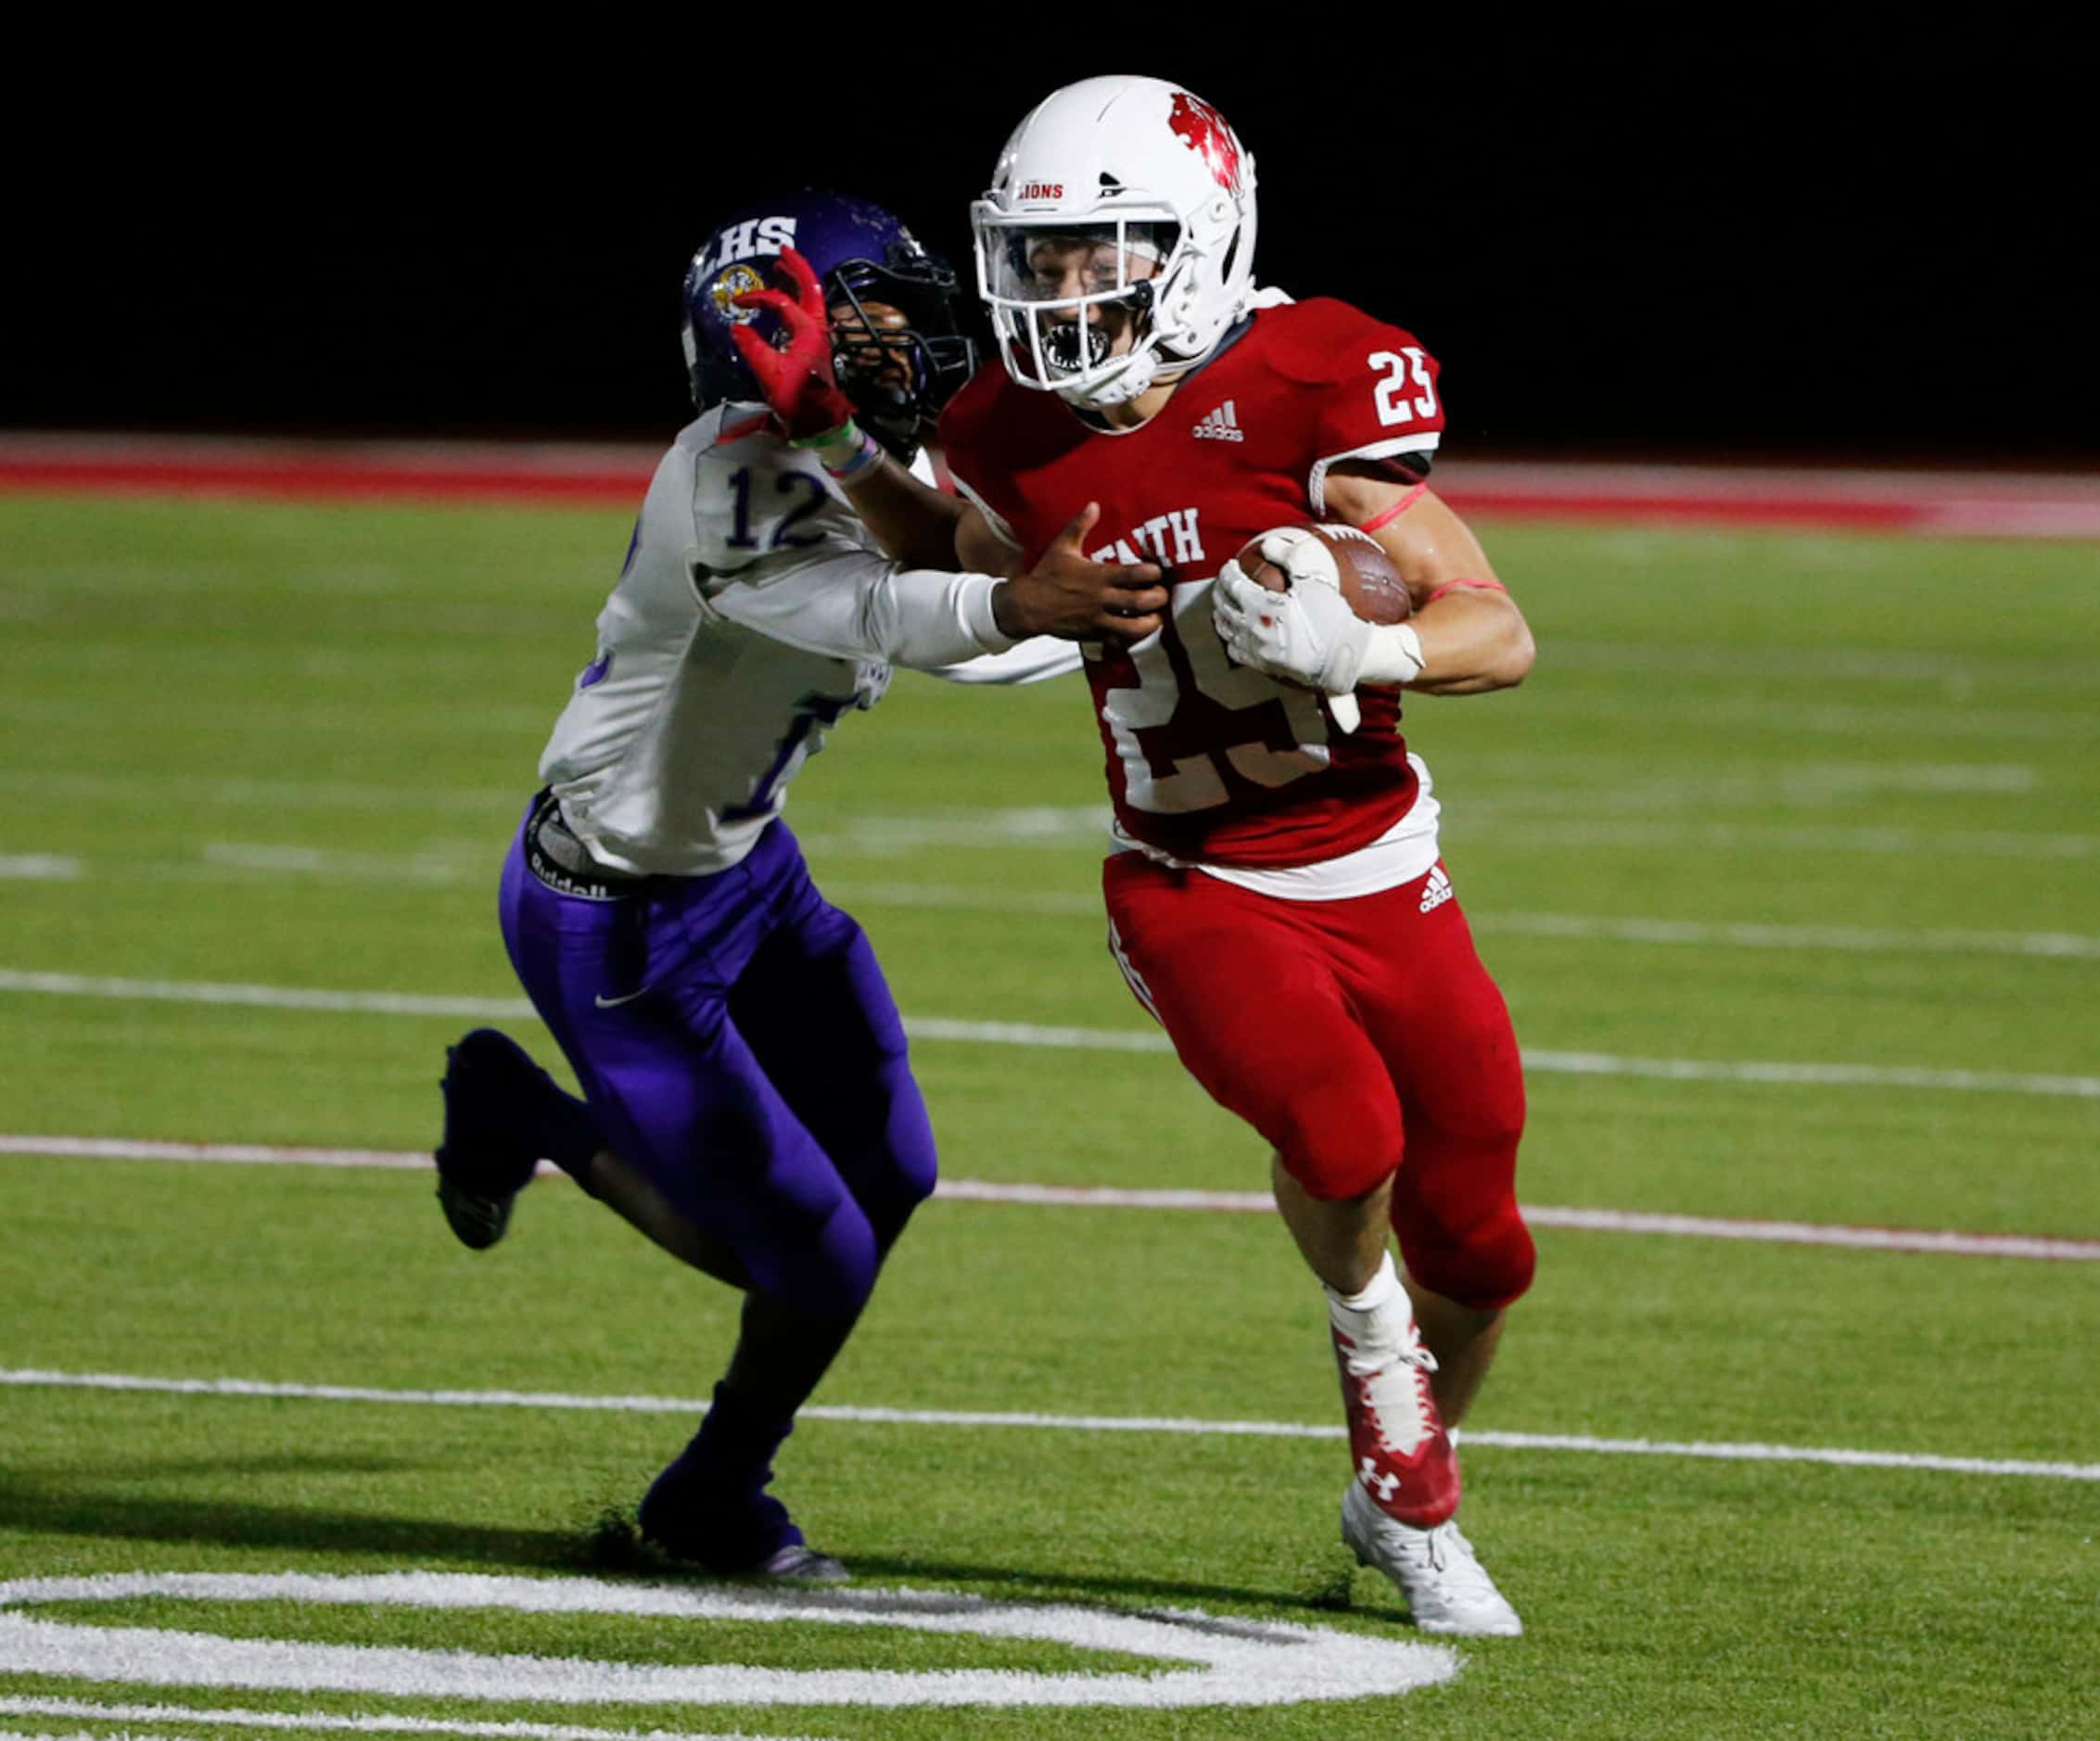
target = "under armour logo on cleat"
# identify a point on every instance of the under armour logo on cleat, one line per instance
(1381, 1487)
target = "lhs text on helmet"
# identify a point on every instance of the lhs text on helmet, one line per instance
(747, 241)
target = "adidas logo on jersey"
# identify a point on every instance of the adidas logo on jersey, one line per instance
(1436, 890)
(1222, 425)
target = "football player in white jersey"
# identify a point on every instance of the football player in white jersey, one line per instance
(747, 1104)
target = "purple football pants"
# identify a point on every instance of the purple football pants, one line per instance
(737, 1042)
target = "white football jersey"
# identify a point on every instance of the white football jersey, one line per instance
(754, 612)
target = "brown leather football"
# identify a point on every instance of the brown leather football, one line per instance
(1370, 582)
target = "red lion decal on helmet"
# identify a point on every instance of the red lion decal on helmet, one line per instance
(1205, 133)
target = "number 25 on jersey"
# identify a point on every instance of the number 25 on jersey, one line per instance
(1404, 369)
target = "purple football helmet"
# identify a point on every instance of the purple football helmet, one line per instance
(861, 254)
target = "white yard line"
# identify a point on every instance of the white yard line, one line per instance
(1031, 1033)
(311, 1720)
(233, 1153)
(1925, 1240)
(1954, 673)
(1024, 1033)
(1607, 812)
(10, 1705)
(1890, 940)
(460, 866)
(269, 794)
(1552, 781)
(452, 870)
(40, 867)
(1481, 822)
(1079, 903)
(1192, 1659)
(1929, 1241)
(41, 1378)
(1067, 826)
(1788, 1074)
(265, 997)
(1703, 711)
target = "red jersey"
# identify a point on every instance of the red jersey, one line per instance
(1207, 760)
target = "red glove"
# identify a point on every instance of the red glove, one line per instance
(799, 382)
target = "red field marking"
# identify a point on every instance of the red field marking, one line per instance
(1936, 504)
(326, 471)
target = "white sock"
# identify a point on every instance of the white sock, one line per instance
(1380, 1319)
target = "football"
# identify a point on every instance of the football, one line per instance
(1370, 582)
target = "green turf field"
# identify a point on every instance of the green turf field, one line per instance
(1768, 800)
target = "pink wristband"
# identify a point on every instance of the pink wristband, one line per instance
(870, 453)
(1478, 586)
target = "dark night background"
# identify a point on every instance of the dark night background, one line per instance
(1826, 240)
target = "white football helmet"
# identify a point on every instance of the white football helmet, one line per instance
(1115, 194)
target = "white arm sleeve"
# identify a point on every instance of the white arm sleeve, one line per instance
(850, 604)
(1028, 661)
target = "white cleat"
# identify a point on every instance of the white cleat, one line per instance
(1447, 1589)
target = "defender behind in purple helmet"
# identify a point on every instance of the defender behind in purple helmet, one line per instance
(896, 350)
(748, 1098)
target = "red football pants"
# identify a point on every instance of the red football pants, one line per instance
(1363, 1038)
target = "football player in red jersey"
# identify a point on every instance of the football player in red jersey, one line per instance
(1277, 901)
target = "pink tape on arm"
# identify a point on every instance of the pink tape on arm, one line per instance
(1452, 586)
(1394, 511)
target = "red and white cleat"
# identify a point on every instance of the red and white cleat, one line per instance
(1404, 1461)
(1447, 1588)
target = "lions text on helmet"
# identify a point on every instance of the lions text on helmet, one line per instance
(897, 347)
(1115, 246)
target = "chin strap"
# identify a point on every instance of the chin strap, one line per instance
(1147, 370)
(1133, 379)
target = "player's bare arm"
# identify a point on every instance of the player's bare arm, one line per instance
(1473, 635)
(980, 547)
(912, 521)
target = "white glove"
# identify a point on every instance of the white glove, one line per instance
(1309, 634)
